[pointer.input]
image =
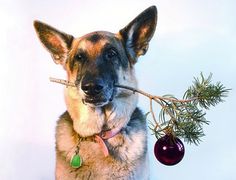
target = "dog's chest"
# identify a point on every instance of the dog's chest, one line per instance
(94, 164)
(127, 152)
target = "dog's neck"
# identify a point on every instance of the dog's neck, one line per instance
(89, 121)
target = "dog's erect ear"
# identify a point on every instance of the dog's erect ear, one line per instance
(56, 42)
(139, 32)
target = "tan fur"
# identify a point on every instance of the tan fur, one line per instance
(81, 114)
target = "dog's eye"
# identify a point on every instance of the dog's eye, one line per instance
(79, 57)
(110, 54)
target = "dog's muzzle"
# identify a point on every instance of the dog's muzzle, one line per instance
(96, 92)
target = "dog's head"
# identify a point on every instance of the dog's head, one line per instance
(99, 60)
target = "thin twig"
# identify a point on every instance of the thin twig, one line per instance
(154, 97)
(158, 99)
(67, 83)
(61, 81)
(153, 114)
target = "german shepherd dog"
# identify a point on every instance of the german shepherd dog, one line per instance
(102, 135)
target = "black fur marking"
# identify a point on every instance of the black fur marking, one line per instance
(120, 59)
(94, 38)
(66, 116)
(72, 63)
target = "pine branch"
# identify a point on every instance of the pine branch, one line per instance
(185, 117)
(206, 94)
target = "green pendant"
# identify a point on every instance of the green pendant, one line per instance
(76, 161)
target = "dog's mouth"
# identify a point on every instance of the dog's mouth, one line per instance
(99, 100)
(96, 101)
(96, 91)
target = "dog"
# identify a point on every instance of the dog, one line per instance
(103, 134)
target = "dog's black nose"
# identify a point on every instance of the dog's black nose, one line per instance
(92, 88)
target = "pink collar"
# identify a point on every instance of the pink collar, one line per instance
(104, 135)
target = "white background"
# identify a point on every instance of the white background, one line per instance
(192, 36)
